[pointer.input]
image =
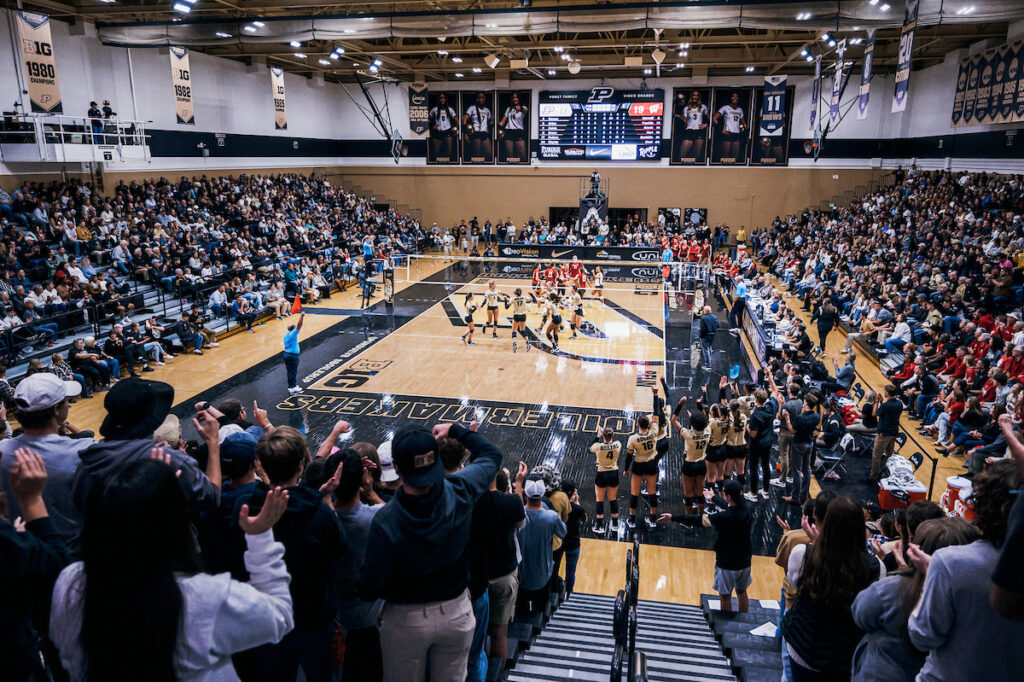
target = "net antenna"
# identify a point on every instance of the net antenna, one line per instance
(378, 115)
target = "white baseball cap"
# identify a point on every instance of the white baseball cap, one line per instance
(388, 472)
(43, 390)
(534, 489)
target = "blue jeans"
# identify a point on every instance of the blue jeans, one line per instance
(477, 664)
(81, 379)
(47, 330)
(707, 350)
(113, 366)
(921, 403)
(787, 674)
(572, 557)
(893, 345)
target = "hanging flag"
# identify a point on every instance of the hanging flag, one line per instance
(902, 89)
(960, 92)
(40, 69)
(773, 106)
(297, 305)
(971, 94)
(837, 83)
(1017, 72)
(419, 110)
(865, 77)
(815, 90)
(1013, 81)
(181, 78)
(280, 110)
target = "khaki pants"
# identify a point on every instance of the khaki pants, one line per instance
(415, 635)
(785, 443)
(884, 446)
(279, 306)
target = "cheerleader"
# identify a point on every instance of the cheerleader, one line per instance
(721, 424)
(736, 442)
(606, 483)
(696, 438)
(467, 338)
(576, 305)
(599, 284)
(553, 319)
(493, 297)
(519, 306)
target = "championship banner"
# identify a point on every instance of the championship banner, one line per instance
(865, 77)
(773, 106)
(985, 72)
(280, 108)
(40, 69)
(181, 78)
(837, 83)
(815, 90)
(957, 114)
(902, 89)
(1016, 72)
(419, 111)
(1012, 83)
(995, 103)
(971, 94)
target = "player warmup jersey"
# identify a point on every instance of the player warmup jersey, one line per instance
(746, 405)
(514, 119)
(492, 298)
(442, 117)
(732, 117)
(479, 118)
(644, 446)
(607, 455)
(696, 444)
(738, 432)
(518, 305)
(574, 269)
(719, 430)
(695, 116)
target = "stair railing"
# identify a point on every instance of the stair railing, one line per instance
(639, 667)
(624, 620)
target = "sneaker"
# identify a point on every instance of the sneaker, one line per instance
(147, 368)
(615, 526)
(750, 497)
(295, 389)
(470, 343)
(651, 523)
(494, 335)
(197, 352)
(789, 479)
(515, 346)
(214, 344)
(598, 527)
(764, 494)
(844, 351)
(572, 337)
(630, 523)
(529, 344)
(778, 483)
(464, 340)
(160, 364)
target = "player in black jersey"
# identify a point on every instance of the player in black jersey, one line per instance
(467, 338)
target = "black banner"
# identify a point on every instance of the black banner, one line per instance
(419, 121)
(961, 91)
(731, 130)
(971, 94)
(772, 150)
(556, 252)
(593, 208)
(985, 79)
(691, 123)
(999, 82)
(513, 119)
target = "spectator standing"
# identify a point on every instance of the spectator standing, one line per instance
(708, 331)
(761, 430)
(542, 527)
(291, 354)
(506, 517)
(888, 414)
(803, 428)
(571, 541)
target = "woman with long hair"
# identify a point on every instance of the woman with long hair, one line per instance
(552, 319)
(819, 632)
(467, 338)
(599, 284)
(137, 608)
(884, 607)
(720, 425)
(695, 438)
(736, 442)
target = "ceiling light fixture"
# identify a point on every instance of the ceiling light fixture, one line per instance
(222, 34)
(884, 8)
(967, 9)
(825, 37)
(182, 7)
(648, 71)
(339, 50)
(335, 56)
(477, 69)
(324, 62)
(575, 66)
(684, 46)
(300, 55)
(459, 75)
(683, 53)
(443, 53)
(377, 62)
(295, 43)
(855, 41)
(558, 48)
(803, 16)
(457, 60)
(258, 24)
(809, 58)
(750, 69)
(249, 29)
(551, 72)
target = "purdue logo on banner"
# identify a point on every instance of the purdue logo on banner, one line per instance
(837, 83)
(902, 88)
(419, 110)
(280, 111)
(40, 70)
(815, 90)
(181, 78)
(773, 106)
(960, 93)
(865, 77)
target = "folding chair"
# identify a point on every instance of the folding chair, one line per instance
(833, 461)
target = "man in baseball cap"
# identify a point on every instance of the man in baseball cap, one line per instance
(416, 556)
(389, 478)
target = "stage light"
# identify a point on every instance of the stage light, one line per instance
(809, 58)
(658, 55)
(295, 43)
(249, 29)
(335, 56)
(377, 62)
(551, 72)
(574, 67)
(442, 53)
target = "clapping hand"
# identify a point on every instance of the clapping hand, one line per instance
(274, 506)
(809, 528)
(783, 524)
(332, 483)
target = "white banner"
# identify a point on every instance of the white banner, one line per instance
(280, 110)
(40, 69)
(181, 79)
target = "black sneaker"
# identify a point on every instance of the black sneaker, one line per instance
(630, 523)
(147, 368)
(599, 528)
(651, 523)
(515, 346)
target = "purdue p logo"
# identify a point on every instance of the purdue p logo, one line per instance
(600, 93)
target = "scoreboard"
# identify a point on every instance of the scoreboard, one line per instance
(601, 123)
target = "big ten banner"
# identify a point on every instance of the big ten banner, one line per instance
(730, 130)
(902, 87)
(513, 126)
(691, 126)
(772, 123)
(181, 79)
(443, 127)
(40, 70)
(960, 93)
(971, 93)
(477, 118)
(865, 77)
(280, 108)
(418, 110)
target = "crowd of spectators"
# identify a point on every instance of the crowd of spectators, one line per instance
(236, 247)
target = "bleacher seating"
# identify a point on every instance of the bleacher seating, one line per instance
(753, 651)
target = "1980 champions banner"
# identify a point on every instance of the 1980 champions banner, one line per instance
(40, 70)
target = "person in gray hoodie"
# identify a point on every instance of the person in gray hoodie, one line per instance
(135, 408)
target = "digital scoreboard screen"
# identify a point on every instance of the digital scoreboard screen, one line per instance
(602, 124)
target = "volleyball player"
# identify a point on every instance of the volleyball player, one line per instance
(575, 267)
(606, 482)
(467, 338)
(493, 297)
(695, 120)
(513, 127)
(553, 319)
(519, 305)
(599, 283)
(733, 121)
(536, 280)
(736, 442)
(563, 278)
(642, 451)
(720, 425)
(476, 126)
(576, 305)
(696, 438)
(444, 126)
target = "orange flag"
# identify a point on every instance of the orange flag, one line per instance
(297, 305)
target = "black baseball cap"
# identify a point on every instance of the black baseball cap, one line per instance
(414, 450)
(135, 408)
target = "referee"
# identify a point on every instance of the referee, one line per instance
(291, 355)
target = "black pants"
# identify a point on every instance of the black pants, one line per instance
(362, 656)
(291, 365)
(758, 455)
(736, 313)
(530, 602)
(822, 336)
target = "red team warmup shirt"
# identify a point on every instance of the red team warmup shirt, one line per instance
(551, 274)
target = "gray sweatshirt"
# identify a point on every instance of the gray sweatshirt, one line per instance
(882, 656)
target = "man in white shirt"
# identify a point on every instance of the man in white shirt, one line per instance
(219, 301)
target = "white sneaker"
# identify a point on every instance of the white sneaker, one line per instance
(750, 497)
(651, 523)
(789, 479)
(764, 494)
(844, 351)
(213, 345)
(778, 483)
(295, 389)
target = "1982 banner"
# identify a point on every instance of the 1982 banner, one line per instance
(280, 108)
(181, 79)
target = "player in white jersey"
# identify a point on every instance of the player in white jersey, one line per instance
(493, 298)
(575, 304)
(467, 338)
(599, 284)
(552, 319)
(476, 126)
(513, 127)
(444, 126)
(694, 119)
(734, 124)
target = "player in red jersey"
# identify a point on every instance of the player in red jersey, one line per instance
(705, 253)
(574, 268)
(551, 274)
(535, 281)
(563, 277)
(693, 251)
(677, 245)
